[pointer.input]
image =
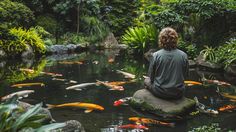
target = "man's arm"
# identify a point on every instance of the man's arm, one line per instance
(151, 70)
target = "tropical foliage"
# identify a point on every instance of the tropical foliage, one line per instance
(141, 38)
(14, 118)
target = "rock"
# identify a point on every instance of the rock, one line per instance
(2, 54)
(71, 126)
(64, 49)
(192, 63)
(148, 54)
(211, 66)
(2, 64)
(45, 111)
(28, 54)
(111, 42)
(146, 101)
(231, 69)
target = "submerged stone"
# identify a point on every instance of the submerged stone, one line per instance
(231, 69)
(144, 100)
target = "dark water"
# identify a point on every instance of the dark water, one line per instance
(54, 92)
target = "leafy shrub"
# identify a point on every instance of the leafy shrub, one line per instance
(207, 128)
(48, 23)
(29, 37)
(225, 54)
(15, 14)
(14, 118)
(188, 48)
(23, 38)
(141, 38)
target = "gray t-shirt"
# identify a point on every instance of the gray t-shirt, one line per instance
(168, 70)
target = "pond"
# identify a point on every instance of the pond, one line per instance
(98, 66)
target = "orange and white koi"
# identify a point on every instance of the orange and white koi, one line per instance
(111, 87)
(27, 85)
(52, 74)
(80, 86)
(120, 82)
(139, 120)
(126, 74)
(227, 108)
(111, 60)
(19, 94)
(89, 107)
(133, 126)
(191, 83)
(217, 82)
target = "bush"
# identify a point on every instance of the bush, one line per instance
(188, 48)
(141, 38)
(49, 23)
(14, 118)
(15, 14)
(23, 39)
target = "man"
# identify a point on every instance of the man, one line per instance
(168, 68)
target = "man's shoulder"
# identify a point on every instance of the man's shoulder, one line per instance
(181, 52)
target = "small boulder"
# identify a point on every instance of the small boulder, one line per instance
(28, 53)
(71, 126)
(148, 102)
(111, 42)
(231, 69)
(206, 64)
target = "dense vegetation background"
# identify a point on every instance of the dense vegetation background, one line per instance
(202, 24)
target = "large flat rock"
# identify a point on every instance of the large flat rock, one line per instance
(174, 107)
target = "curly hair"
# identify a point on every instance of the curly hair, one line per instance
(168, 38)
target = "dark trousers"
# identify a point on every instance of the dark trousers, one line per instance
(162, 93)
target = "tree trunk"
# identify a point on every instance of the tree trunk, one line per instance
(78, 18)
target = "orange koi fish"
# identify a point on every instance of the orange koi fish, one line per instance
(52, 74)
(87, 106)
(133, 126)
(19, 94)
(227, 108)
(27, 85)
(150, 121)
(111, 87)
(120, 82)
(191, 83)
(111, 60)
(228, 96)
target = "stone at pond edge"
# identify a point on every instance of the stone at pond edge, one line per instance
(111, 42)
(45, 111)
(231, 69)
(28, 54)
(212, 66)
(160, 106)
(71, 126)
(63, 49)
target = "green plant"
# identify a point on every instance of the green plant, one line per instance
(214, 127)
(15, 14)
(209, 54)
(188, 48)
(48, 22)
(14, 118)
(140, 38)
(29, 37)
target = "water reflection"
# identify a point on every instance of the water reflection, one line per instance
(54, 91)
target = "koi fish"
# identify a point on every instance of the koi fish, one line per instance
(150, 121)
(133, 126)
(72, 81)
(111, 60)
(27, 70)
(111, 87)
(59, 79)
(217, 82)
(95, 62)
(80, 86)
(227, 108)
(122, 101)
(126, 74)
(120, 82)
(228, 96)
(204, 109)
(52, 74)
(19, 94)
(87, 106)
(71, 63)
(191, 83)
(27, 85)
